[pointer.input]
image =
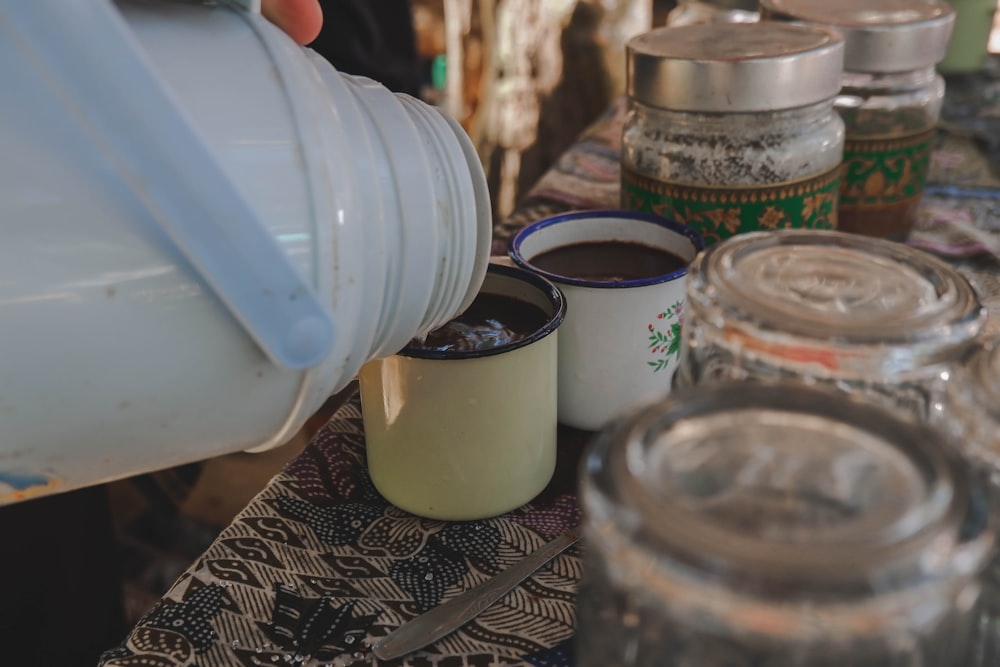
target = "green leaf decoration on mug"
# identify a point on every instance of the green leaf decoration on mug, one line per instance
(665, 337)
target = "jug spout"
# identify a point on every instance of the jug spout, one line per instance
(197, 279)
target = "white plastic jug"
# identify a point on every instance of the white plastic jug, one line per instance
(205, 231)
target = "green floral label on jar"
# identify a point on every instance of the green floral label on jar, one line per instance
(718, 213)
(885, 171)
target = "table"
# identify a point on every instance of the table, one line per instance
(318, 562)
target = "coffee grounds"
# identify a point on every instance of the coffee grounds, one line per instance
(491, 321)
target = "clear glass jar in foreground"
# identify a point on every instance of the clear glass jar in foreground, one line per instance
(779, 527)
(865, 315)
(970, 413)
(890, 102)
(693, 12)
(731, 127)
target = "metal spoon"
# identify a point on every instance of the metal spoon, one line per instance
(459, 610)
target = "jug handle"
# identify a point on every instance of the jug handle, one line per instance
(93, 60)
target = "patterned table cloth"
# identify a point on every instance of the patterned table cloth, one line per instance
(318, 564)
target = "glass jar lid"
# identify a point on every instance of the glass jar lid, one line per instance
(784, 491)
(849, 305)
(734, 67)
(880, 35)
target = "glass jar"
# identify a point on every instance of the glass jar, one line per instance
(865, 315)
(971, 415)
(693, 12)
(779, 527)
(731, 128)
(972, 409)
(890, 102)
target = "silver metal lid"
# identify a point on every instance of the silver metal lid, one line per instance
(735, 67)
(882, 306)
(880, 35)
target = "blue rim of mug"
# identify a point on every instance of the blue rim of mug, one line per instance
(668, 223)
(551, 324)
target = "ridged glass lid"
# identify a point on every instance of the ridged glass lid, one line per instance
(786, 484)
(784, 478)
(837, 287)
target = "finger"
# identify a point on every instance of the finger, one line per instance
(301, 19)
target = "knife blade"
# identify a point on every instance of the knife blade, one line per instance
(444, 619)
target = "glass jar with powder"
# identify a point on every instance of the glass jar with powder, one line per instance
(890, 102)
(731, 127)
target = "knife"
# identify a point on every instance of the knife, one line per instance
(459, 610)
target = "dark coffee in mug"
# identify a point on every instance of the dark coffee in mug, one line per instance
(608, 261)
(492, 320)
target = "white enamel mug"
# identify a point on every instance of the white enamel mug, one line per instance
(620, 341)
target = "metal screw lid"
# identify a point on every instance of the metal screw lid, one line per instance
(735, 67)
(880, 35)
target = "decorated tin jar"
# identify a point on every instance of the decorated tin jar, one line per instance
(890, 102)
(870, 316)
(731, 126)
(971, 415)
(786, 526)
(692, 12)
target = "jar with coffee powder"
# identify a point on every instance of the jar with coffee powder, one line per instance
(890, 102)
(731, 126)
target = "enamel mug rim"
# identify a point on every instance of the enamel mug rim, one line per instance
(552, 321)
(517, 255)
